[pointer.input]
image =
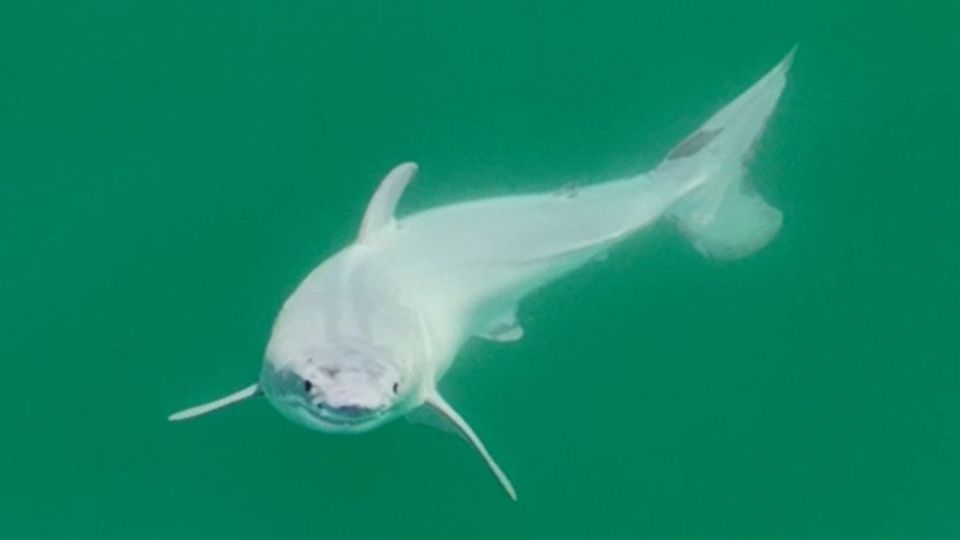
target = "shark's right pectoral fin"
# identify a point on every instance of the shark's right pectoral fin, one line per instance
(201, 410)
(453, 419)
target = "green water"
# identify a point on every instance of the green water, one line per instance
(169, 172)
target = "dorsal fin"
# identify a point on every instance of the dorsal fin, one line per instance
(440, 405)
(384, 201)
(201, 410)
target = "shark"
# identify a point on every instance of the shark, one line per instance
(369, 334)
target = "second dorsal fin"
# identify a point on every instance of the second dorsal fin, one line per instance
(384, 201)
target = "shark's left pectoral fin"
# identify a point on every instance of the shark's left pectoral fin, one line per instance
(201, 410)
(436, 402)
(382, 205)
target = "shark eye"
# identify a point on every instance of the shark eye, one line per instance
(396, 387)
(307, 385)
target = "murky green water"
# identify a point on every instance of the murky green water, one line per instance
(168, 173)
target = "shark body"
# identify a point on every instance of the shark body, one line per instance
(369, 334)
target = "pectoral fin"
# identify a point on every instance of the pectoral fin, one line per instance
(201, 410)
(438, 404)
(384, 201)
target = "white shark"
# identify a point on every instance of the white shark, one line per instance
(369, 334)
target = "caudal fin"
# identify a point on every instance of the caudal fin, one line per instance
(725, 217)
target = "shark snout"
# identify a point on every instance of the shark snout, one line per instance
(348, 393)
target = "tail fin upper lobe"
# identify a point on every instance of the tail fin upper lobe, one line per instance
(725, 217)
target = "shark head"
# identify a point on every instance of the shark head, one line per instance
(343, 390)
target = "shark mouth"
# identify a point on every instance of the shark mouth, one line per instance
(350, 415)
